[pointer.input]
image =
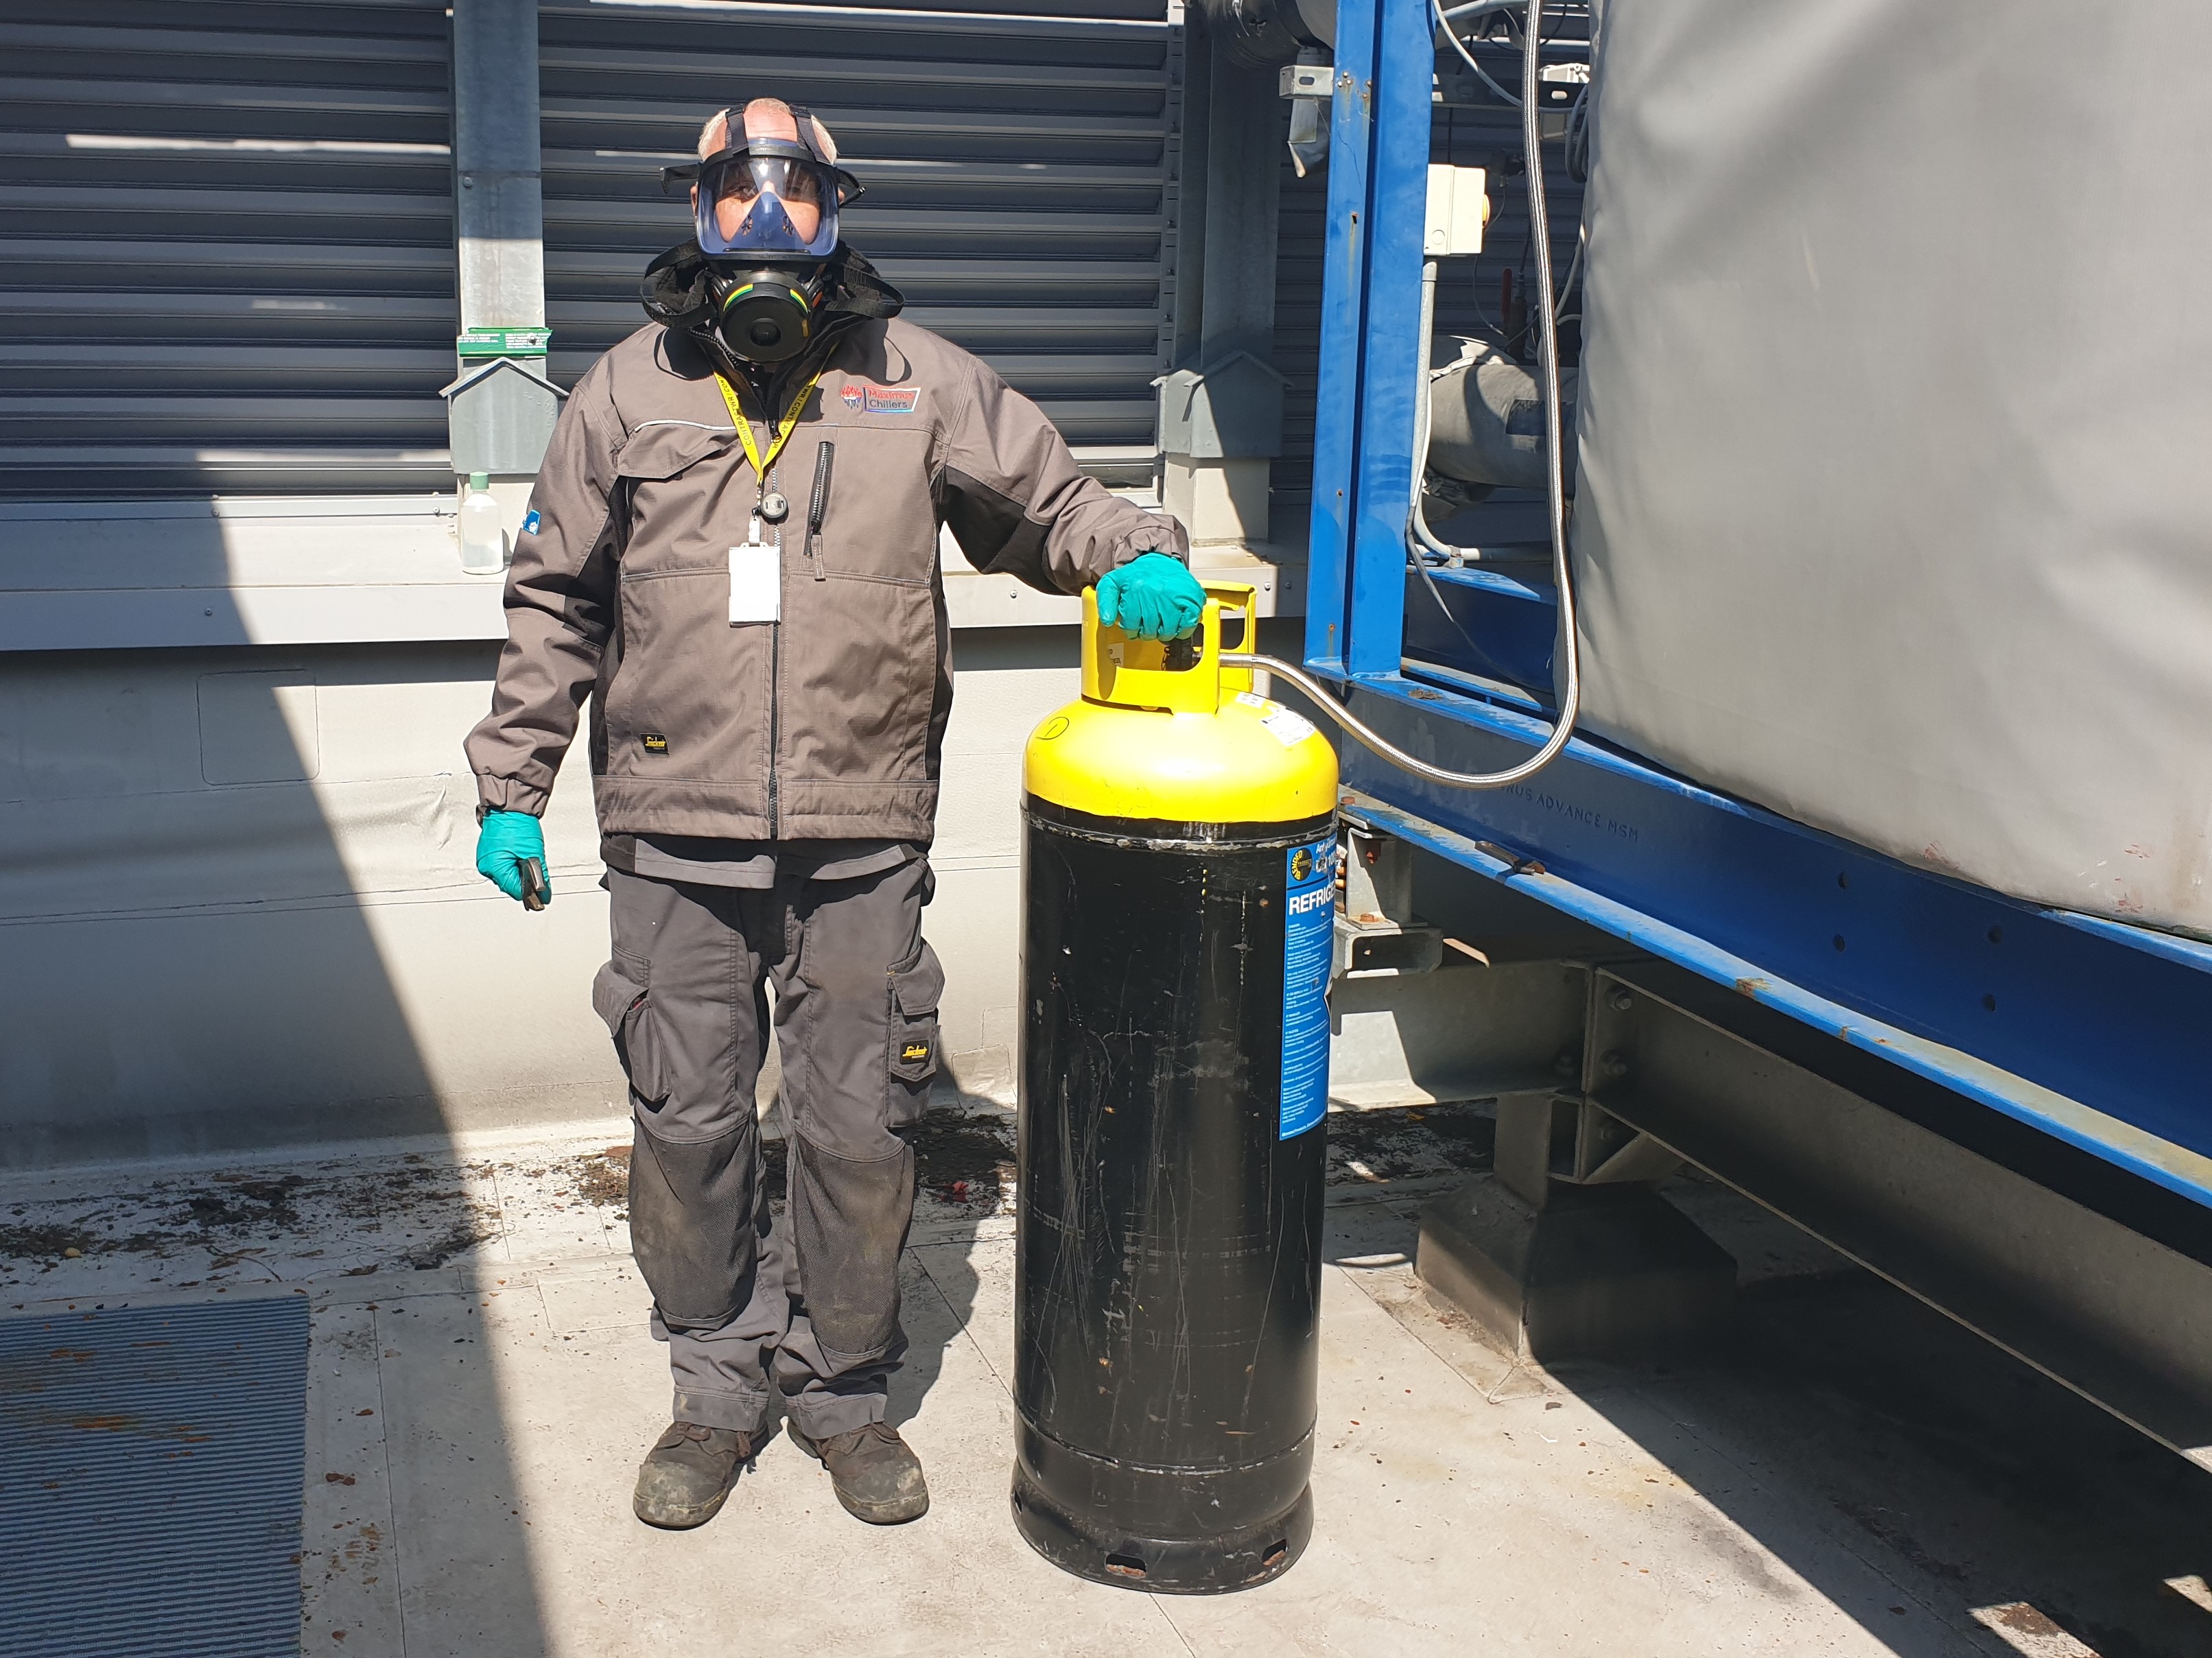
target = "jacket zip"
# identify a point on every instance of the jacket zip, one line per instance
(774, 673)
(824, 459)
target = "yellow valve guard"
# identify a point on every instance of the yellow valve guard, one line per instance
(1183, 745)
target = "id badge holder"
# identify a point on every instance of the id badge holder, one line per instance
(756, 581)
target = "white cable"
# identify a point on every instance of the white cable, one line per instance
(1418, 519)
(1436, 10)
(1567, 288)
(1563, 726)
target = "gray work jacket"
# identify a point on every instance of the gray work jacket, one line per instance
(828, 725)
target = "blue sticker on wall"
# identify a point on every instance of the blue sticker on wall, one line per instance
(1309, 930)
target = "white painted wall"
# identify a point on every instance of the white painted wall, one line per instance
(237, 902)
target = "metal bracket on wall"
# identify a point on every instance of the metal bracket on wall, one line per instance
(1309, 84)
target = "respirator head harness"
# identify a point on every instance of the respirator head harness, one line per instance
(765, 214)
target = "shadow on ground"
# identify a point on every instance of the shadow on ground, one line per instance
(1840, 1410)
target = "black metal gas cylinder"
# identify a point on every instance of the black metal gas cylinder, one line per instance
(1178, 869)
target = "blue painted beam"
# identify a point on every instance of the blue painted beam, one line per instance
(1393, 374)
(2154, 1157)
(1484, 621)
(2116, 1018)
(1343, 330)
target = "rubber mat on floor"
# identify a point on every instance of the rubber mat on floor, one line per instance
(150, 1469)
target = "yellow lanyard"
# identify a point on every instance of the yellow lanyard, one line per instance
(762, 463)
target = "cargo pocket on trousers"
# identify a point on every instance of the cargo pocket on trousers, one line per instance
(916, 991)
(622, 996)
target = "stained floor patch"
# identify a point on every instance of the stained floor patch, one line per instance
(150, 1467)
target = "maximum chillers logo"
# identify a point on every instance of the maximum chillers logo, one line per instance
(1313, 868)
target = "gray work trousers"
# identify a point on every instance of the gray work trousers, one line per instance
(809, 1308)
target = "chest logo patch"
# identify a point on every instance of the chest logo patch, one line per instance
(891, 399)
(851, 394)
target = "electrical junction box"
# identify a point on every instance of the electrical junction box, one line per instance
(1459, 207)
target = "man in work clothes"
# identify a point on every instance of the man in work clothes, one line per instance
(732, 550)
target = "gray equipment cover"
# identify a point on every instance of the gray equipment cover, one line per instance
(1896, 429)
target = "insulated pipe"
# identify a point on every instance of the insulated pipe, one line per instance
(1262, 34)
(1484, 421)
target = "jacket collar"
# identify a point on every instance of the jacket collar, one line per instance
(677, 295)
(675, 292)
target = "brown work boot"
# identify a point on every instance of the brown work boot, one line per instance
(688, 1474)
(876, 1473)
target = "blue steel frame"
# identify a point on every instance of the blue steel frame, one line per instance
(2097, 1033)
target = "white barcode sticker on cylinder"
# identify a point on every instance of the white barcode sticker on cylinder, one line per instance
(1288, 727)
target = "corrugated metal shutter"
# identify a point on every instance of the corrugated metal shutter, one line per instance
(1020, 171)
(226, 246)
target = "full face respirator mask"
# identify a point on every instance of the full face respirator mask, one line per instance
(765, 213)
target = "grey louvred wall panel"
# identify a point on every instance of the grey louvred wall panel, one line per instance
(226, 246)
(1020, 173)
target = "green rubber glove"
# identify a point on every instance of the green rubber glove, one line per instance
(506, 839)
(1152, 597)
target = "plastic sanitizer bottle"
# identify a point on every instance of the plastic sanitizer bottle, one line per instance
(484, 542)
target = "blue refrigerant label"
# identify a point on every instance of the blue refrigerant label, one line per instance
(1309, 930)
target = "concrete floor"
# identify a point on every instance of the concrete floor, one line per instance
(1850, 1474)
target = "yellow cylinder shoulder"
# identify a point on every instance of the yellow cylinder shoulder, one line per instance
(1252, 761)
(1188, 744)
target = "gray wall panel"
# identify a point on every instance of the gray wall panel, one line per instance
(239, 905)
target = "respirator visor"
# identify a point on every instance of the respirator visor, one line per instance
(766, 200)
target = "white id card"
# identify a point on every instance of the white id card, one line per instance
(756, 583)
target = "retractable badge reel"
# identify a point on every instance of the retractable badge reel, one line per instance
(757, 564)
